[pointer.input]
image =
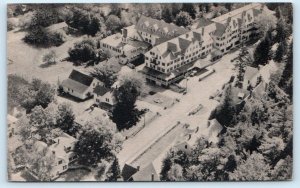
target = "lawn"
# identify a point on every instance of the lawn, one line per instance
(26, 60)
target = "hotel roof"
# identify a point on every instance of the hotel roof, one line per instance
(159, 27)
(224, 17)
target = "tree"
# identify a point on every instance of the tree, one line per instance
(105, 73)
(228, 6)
(240, 75)
(265, 22)
(65, 118)
(175, 173)
(23, 128)
(254, 168)
(97, 141)
(225, 111)
(262, 52)
(283, 169)
(85, 21)
(113, 172)
(40, 161)
(280, 51)
(126, 96)
(50, 57)
(190, 9)
(175, 9)
(166, 15)
(115, 9)
(38, 93)
(15, 85)
(93, 27)
(166, 166)
(271, 148)
(183, 19)
(286, 81)
(45, 17)
(83, 51)
(281, 29)
(113, 23)
(38, 36)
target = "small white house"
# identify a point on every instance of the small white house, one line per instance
(62, 153)
(103, 97)
(80, 85)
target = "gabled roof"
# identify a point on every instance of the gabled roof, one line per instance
(235, 12)
(128, 171)
(81, 78)
(215, 126)
(202, 22)
(220, 29)
(101, 90)
(145, 174)
(250, 72)
(78, 81)
(183, 43)
(159, 27)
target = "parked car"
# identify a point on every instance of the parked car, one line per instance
(130, 65)
(193, 73)
(157, 100)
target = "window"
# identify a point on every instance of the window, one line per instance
(163, 64)
(65, 167)
(107, 99)
(60, 162)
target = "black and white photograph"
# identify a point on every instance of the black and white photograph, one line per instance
(142, 92)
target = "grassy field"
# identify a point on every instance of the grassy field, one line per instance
(26, 60)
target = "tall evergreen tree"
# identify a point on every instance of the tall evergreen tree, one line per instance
(114, 171)
(286, 81)
(280, 51)
(262, 52)
(281, 29)
(166, 166)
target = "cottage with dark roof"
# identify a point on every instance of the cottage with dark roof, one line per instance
(80, 85)
(103, 97)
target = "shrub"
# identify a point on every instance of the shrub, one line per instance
(38, 36)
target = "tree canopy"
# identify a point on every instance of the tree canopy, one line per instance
(98, 140)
